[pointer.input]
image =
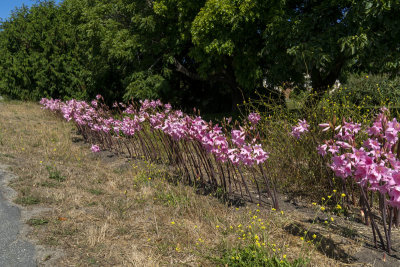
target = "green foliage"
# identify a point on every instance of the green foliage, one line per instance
(38, 58)
(96, 192)
(37, 222)
(27, 200)
(228, 39)
(369, 90)
(49, 184)
(172, 199)
(55, 174)
(142, 86)
(254, 256)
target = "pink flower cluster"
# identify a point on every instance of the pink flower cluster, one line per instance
(301, 128)
(159, 116)
(254, 118)
(95, 148)
(373, 163)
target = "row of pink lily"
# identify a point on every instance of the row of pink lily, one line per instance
(370, 155)
(174, 123)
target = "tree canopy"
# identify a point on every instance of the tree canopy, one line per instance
(206, 53)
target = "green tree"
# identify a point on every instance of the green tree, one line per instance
(207, 53)
(228, 39)
(327, 39)
(37, 54)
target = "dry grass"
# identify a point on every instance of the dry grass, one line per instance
(110, 211)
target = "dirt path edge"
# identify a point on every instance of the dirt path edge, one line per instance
(17, 249)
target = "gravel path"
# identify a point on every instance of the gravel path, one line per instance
(14, 251)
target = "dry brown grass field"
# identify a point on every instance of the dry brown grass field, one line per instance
(108, 210)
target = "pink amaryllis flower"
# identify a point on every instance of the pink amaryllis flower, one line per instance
(300, 128)
(326, 126)
(260, 155)
(372, 162)
(238, 137)
(254, 118)
(322, 149)
(95, 148)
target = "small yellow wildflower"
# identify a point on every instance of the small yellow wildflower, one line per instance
(314, 203)
(334, 190)
(332, 219)
(314, 236)
(322, 208)
(343, 195)
(338, 207)
(172, 223)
